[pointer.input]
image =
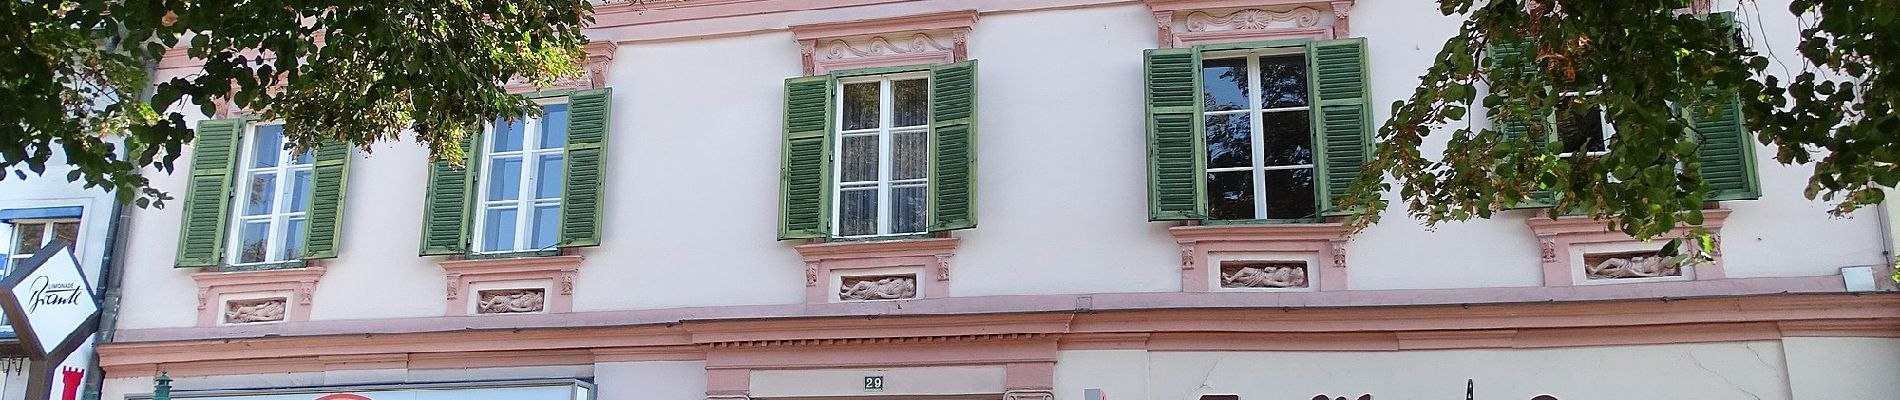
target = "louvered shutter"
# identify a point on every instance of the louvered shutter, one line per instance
(805, 169)
(208, 193)
(587, 124)
(1516, 54)
(445, 226)
(952, 201)
(324, 231)
(1175, 159)
(1727, 151)
(1345, 117)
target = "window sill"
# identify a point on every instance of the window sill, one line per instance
(926, 259)
(469, 281)
(1320, 246)
(293, 288)
(1566, 240)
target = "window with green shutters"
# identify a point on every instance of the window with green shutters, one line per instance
(528, 185)
(879, 152)
(1264, 132)
(250, 202)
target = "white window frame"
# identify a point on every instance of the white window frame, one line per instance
(14, 257)
(885, 164)
(524, 203)
(1255, 121)
(278, 217)
(1609, 129)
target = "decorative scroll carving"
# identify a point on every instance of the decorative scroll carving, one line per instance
(1549, 246)
(839, 49)
(455, 286)
(600, 56)
(1029, 395)
(806, 49)
(1253, 19)
(255, 310)
(878, 287)
(306, 292)
(510, 301)
(204, 297)
(959, 44)
(1342, 18)
(1339, 254)
(1263, 274)
(1629, 265)
(1187, 255)
(811, 273)
(943, 267)
(1164, 28)
(567, 280)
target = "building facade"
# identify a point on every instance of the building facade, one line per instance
(33, 213)
(778, 199)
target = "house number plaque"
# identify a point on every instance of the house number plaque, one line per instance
(874, 384)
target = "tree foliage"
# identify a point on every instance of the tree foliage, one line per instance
(356, 72)
(1649, 65)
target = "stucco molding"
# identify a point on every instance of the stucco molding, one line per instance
(1187, 23)
(296, 285)
(555, 275)
(934, 38)
(597, 61)
(1203, 246)
(1562, 240)
(825, 262)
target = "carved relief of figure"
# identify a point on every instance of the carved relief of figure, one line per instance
(887, 288)
(510, 301)
(1633, 267)
(261, 311)
(1267, 276)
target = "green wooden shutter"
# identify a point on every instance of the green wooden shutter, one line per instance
(324, 227)
(953, 146)
(1727, 151)
(1175, 157)
(589, 112)
(208, 193)
(1519, 124)
(805, 170)
(445, 215)
(1344, 117)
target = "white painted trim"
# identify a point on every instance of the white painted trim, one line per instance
(885, 167)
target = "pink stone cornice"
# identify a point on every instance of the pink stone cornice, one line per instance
(508, 265)
(301, 283)
(885, 42)
(1201, 233)
(1543, 225)
(242, 278)
(877, 248)
(1307, 13)
(952, 20)
(1325, 242)
(1184, 5)
(1557, 237)
(559, 272)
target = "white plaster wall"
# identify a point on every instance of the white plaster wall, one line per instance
(1843, 368)
(650, 380)
(1741, 371)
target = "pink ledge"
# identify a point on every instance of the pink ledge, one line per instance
(557, 273)
(300, 283)
(931, 255)
(1557, 237)
(885, 42)
(1326, 243)
(1185, 34)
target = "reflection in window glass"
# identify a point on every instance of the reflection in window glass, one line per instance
(1580, 129)
(883, 156)
(1259, 148)
(30, 236)
(272, 198)
(523, 182)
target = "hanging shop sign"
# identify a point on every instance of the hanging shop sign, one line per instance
(50, 303)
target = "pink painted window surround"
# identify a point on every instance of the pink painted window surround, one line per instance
(923, 39)
(827, 264)
(553, 276)
(1205, 249)
(296, 286)
(1565, 242)
(1187, 23)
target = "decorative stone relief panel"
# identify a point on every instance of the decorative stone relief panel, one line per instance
(877, 270)
(1269, 257)
(1627, 265)
(270, 309)
(910, 40)
(511, 301)
(1577, 250)
(877, 287)
(1185, 23)
(511, 285)
(1245, 274)
(262, 296)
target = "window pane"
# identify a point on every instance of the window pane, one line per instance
(910, 155)
(1229, 140)
(547, 225)
(68, 231)
(1230, 195)
(860, 105)
(1579, 130)
(553, 126)
(498, 230)
(910, 106)
(857, 212)
(1288, 138)
(27, 237)
(907, 209)
(263, 191)
(508, 132)
(548, 174)
(253, 241)
(1290, 193)
(299, 191)
(1283, 81)
(267, 146)
(859, 161)
(293, 240)
(1225, 84)
(504, 179)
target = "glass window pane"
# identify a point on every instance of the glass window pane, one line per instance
(860, 105)
(1290, 193)
(553, 126)
(1579, 130)
(909, 103)
(508, 134)
(1283, 81)
(304, 158)
(1288, 138)
(857, 212)
(1225, 84)
(1229, 140)
(1230, 195)
(68, 231)
(907, 209)
(263, 191)
(253, 241)
(910, 155)
(498, 230)
(293, 240)
(299, 191)
(547, 177)
(504, 178)
(27, 238)
(547, 227)
(266, 145)
(859, 161)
